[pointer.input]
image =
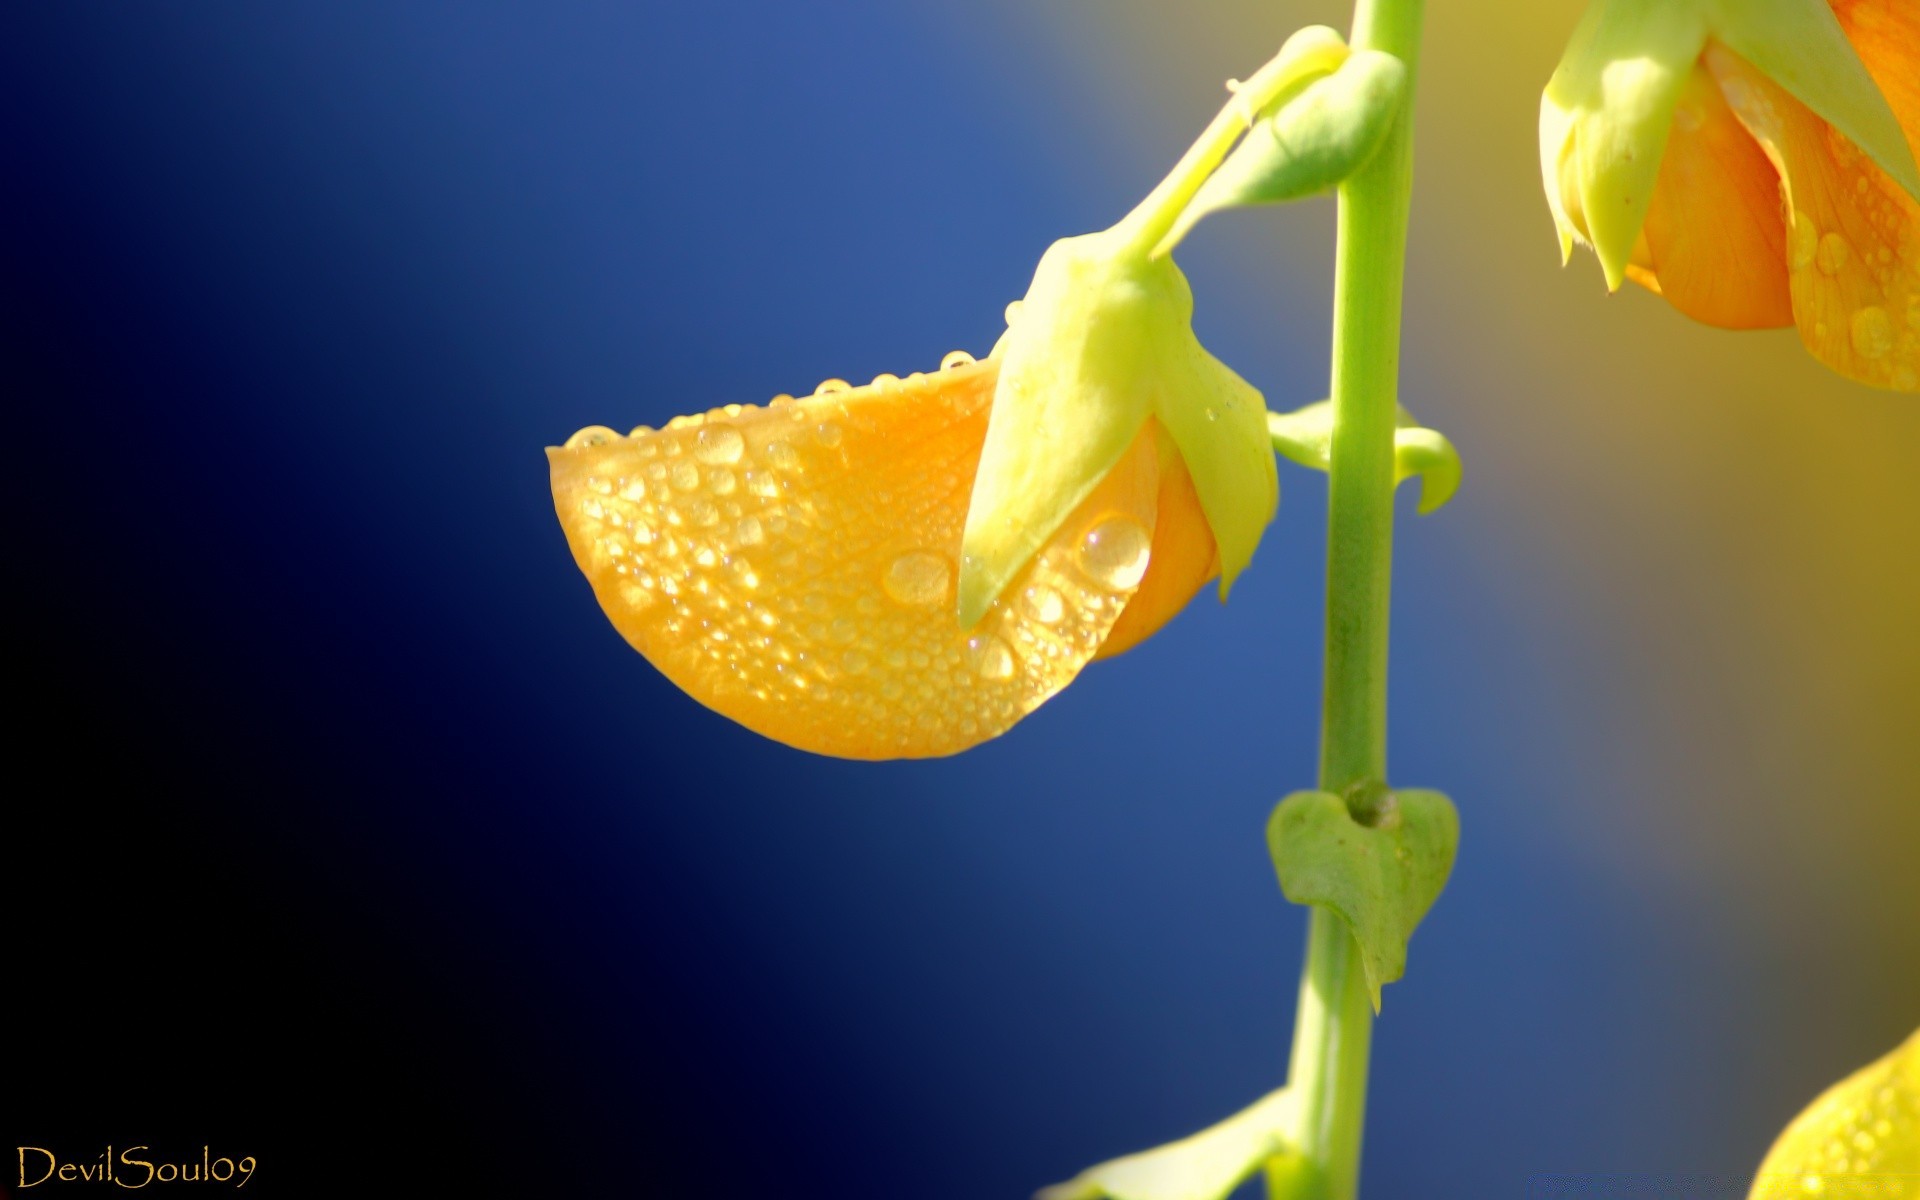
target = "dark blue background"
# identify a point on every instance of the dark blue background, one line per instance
(348, 834)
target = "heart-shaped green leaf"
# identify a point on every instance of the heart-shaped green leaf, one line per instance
(1380, 877)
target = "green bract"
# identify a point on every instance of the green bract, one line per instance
(1606, 112)
(1103, 341)
(1311, 142)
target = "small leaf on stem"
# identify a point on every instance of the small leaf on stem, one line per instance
(1380, 877)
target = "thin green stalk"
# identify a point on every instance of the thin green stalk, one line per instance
(1333, 1025)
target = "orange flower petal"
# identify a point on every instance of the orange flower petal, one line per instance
(1714, 243)
(1185, 557)
(1853, 235)
(793, 567)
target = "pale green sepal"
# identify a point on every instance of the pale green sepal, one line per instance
(1310, 143)
(1305, 436)
(1206, 1166)
(1610, 103)
(1800, 45)
(1218, 421)
(1380, 877)
(1077, 381)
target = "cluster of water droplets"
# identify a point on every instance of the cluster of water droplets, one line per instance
(1876, 266)
(758, 557)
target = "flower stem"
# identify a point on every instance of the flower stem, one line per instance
(1333, 1024)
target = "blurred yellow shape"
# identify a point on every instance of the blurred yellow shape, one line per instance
(794, 567)
(1861, 1138)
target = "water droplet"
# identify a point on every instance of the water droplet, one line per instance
(831, 387)
(721, 482)
(782, 456)
(640, 431)
(592, 435)
(1803, 241)
(744, 573)
(919, 577)
(719, 444)
(685, 476)
(1831, 256)
(702, 513)
(634, 491)
(1114, 552)
(853, 662)
(705, 557)
(990, 656)
(956, 359)
(1872, 332)
(843, 630)
(1044, 604)
(828, 433)
(635, 597)
(748, 532)
(1014, 310)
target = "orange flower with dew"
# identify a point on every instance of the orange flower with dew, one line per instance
(908, 568)
(1752, 161)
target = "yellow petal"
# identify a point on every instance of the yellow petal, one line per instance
(1860, 1138)
(1715, 241)
(1853, 234)
(1184, 556)
(793, 567)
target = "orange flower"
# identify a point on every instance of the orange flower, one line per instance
(1734, 157)
(794, 567)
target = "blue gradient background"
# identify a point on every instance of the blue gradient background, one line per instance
(348, 834)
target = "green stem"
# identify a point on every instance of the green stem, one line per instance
(1333, 1025)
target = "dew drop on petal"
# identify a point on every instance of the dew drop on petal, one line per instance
(1872, 332)
(592, 435)
(919, 577)
(1044, 604)
(782, 456)
(1831, 256)
(990, 657)
(719, 444)
(685, 476)
(955, 359)
(1114, 552)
